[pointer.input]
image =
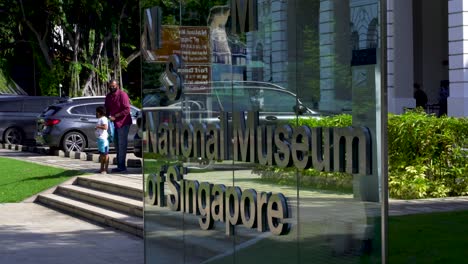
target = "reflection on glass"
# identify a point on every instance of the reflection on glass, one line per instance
(269, 154)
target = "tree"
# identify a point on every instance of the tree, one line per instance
(81, 44)
(8, 33)
(78, 43)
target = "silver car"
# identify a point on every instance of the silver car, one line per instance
(274, 104)
(70, 124)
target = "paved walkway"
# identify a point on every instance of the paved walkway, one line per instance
(31, 233)
(424, 206)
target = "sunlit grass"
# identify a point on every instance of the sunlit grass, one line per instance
(20, 180)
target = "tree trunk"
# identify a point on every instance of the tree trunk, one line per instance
(133, 56)
(116, 46)
(40, 39)
(116, 54)
(88, 89)
(75, 71)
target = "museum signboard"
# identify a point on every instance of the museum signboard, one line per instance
(271, 159)
(284, 146)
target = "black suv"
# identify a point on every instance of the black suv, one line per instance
(18, 115)
(70, 124)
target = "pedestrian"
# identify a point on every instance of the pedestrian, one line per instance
(102, 138)
(117, 105)
(444, 93)
(420, 96)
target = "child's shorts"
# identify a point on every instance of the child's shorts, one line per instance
(103, 146)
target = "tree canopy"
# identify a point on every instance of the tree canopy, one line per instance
(79, 44)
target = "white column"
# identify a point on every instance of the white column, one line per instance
(390, 59)
(458, 58)
(279, 49)
(327, 47)
(400, 55)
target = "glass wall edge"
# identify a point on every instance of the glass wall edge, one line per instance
(384, 132)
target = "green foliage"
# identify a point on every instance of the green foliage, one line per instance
(333, 181)
(136, 101)
(195, 12)
(8, 33)
(71, 40)
(8, 25)
(310, 178)
(51, 80)
(342, 120)
(426, 155)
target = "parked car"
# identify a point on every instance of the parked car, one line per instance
(274, 104)
(18, 115)
(70, 124)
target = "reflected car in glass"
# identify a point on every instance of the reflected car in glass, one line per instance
(70, 124)
(18, 115)
(274, 104)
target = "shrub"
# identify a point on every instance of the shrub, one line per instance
(333, 181)
(427, 157)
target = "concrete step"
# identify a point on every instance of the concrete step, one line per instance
(117, 220)
(122, 188)
(103, 199)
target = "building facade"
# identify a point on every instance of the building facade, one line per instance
(425, 45)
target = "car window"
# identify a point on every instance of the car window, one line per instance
(198, 102)
(237, 102)
(91, 109)
(277, 101)
(191, 104)
(79, 110)
(50, 111)
(236, 99)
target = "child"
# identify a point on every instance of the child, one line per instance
(102, 138)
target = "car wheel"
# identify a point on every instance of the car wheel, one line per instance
(73, 141)
(14, 136)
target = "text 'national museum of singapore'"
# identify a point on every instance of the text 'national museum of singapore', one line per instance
(241, 162)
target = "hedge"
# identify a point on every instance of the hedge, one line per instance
(427, 157)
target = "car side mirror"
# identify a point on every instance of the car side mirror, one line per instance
(300, 109)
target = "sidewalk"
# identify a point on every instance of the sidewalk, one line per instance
(425, 206)
(33, 234)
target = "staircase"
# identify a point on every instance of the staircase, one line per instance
(117, 202)
(105, 200)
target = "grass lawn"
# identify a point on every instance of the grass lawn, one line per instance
(423, 238)
(429, 238)
(20, 180)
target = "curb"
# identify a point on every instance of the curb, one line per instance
(131, 163)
